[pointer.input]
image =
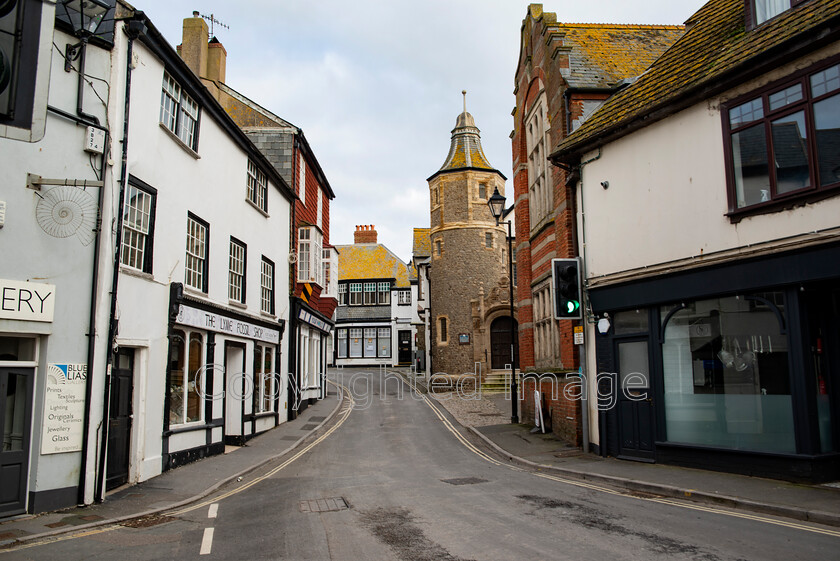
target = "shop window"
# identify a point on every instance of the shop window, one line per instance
(782, 141)
(384, 345)
(370, 342)
(18, 349)
(342, 343)
(355, 343)
(186, 377)
(264, 378)
(726, 374)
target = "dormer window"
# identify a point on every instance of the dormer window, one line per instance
(764, 10)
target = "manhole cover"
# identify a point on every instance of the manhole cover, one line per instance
(324, 505)
(147, 521)
(464, 481)
(317, 419)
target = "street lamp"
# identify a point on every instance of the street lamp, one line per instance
(497, 207)
(85, 16)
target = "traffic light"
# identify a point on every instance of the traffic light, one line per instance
(565, 276)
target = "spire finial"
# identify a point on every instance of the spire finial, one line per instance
(464, 92)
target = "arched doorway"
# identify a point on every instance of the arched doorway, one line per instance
(500, 343)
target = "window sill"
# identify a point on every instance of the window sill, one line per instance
(125, 269)
(256, 207)
(781, 205)
(236, 304)
(179, 142)
(268, 315)
(194, 291)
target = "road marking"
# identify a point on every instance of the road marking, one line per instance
(206, 542)
(214, 510)
(344, 414)
(600, 489)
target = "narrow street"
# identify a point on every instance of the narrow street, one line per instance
(395, 478)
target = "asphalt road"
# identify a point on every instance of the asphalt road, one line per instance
(395, 479)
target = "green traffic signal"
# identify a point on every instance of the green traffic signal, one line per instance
(572, 306)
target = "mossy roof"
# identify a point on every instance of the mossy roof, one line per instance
(371, 261)
(601, 55)
(716, 50)
(422, 246)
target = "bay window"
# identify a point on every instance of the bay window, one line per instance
(310, 256)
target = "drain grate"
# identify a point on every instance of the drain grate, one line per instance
(464, 481)
(148, 521)
(324, 505)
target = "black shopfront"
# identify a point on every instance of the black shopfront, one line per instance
(732, 367)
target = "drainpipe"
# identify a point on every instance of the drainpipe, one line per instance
(585, 406)
(292, 277)
(81, 88)
(133, 28)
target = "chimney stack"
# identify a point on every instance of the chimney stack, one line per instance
(205, 56)
(365, 234)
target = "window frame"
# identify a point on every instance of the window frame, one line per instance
(383, 293)
(267, 293)
(185, 377)
(355, 288)
(237, 279)
(205, 260)
(312, 243)
(401, 297)
(343, 292)
(815, 190)
(369, 288)
(751, 13)
(257, 186)
(147, 261)
(177, 110)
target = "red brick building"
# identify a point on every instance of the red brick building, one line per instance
(565, 71)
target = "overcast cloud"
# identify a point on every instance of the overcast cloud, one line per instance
(376, 84)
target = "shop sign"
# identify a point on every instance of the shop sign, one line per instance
(306, 317)
(26, 301)
(64, 408)
(223, 324)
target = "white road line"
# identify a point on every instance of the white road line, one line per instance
(214, 510)
(207, 542)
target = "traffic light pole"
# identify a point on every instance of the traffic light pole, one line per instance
(514, 401)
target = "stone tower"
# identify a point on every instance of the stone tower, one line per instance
(469, 281)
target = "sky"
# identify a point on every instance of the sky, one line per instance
(375, 85)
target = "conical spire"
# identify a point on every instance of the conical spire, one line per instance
(465, 150)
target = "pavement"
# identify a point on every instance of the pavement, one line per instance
(177, 487)
(542, 452)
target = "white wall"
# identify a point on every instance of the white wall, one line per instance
(213, 187)
(667, 195)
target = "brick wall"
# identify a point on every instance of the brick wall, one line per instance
(564, 412)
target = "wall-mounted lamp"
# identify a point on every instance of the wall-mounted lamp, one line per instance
(605, 184)
(85, 16)
(604, 325)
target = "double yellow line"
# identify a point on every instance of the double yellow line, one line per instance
(601, 489)
(346, 409)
